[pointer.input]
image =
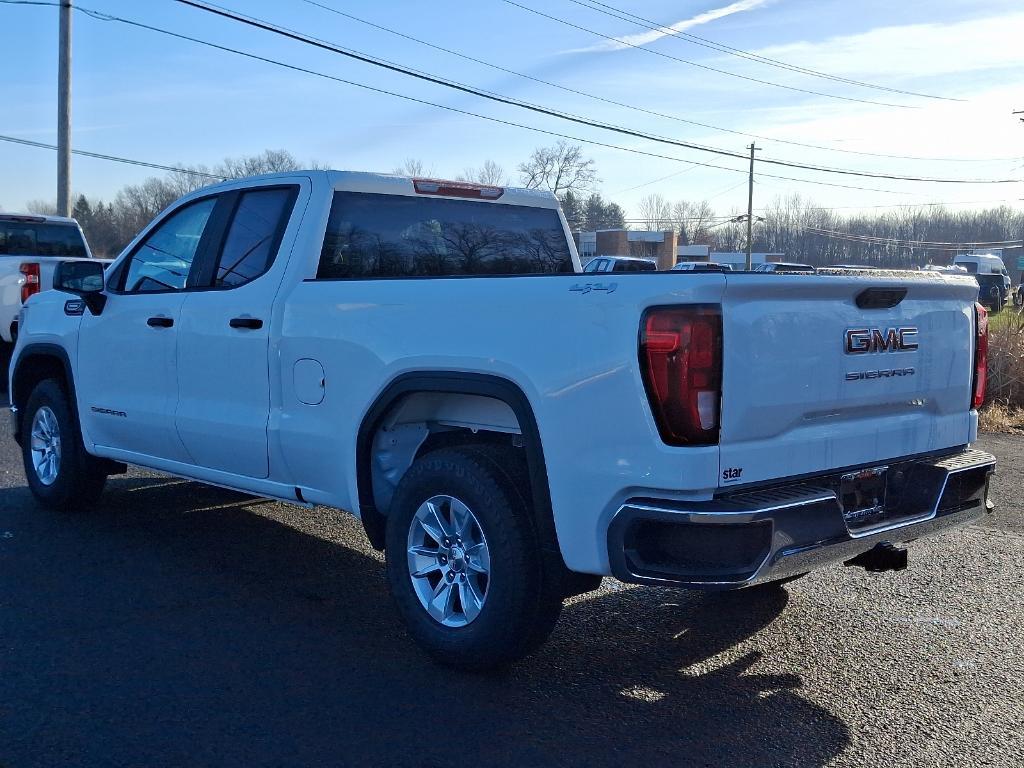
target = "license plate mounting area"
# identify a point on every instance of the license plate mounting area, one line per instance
(862, 497)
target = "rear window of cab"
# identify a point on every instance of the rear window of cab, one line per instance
(371, 236)
(40, 238)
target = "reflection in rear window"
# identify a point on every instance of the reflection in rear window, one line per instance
(374, 236)
(43, 238)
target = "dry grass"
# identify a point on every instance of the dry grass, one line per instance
(1006, 359)
(998, 417)
(1004, 409)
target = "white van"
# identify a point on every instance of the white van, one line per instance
(990, 272)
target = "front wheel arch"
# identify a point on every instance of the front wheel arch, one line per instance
(36, 363)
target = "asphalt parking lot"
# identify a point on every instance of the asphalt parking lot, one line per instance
(183, 625)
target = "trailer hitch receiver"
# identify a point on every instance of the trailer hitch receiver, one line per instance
(880, 558)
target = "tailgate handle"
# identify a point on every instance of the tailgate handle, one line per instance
(880, 298)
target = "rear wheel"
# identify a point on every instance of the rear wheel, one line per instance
(61, 475)
(463, 562)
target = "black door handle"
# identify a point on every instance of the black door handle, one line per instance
(246, 322)
(160, 322)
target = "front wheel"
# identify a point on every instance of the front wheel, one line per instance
(60, 474)
(463, 562)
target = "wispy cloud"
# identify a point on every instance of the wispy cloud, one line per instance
(914, 50)
(642, 38)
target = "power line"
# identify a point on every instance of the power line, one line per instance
(550, 112)
(1002, 201)
(618, 13)
(664, 55)
(878, 239)
(110, 18)
(99, 156)
(635, 108)
(596, 97)
(391, 66)
(654, 181)
(591, 142)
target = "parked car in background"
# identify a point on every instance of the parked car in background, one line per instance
(783, 266)
(993, 279)
(620, 264)
(31, 247)
(701, 266)
(509, 438)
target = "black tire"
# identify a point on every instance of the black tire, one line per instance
(519, 610)
(6, 351)
(80, 478)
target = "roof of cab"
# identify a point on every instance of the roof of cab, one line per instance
(36, 217)
(391, 184)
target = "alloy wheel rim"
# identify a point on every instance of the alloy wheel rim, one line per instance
(449, 561)
(45, 445)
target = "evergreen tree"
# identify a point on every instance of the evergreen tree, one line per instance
(572, 207)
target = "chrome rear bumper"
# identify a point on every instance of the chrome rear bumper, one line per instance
(771, 533)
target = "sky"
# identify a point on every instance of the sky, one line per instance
(141, 94)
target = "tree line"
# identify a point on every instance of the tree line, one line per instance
(813, 234)
(792, 225)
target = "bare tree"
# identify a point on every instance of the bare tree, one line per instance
(42, 207)
(691, 221)
(656, 212)
(267, 161)
(560, 169)
(412, 166)
(488, 173)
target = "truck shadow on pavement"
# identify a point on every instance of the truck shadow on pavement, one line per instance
(181, 625)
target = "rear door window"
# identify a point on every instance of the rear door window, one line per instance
(389, 236)
(254, 235)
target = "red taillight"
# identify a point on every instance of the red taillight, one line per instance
(457, 189)
(980, 355)
(681, 363)
(30, 287)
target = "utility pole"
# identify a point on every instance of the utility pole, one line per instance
(1020, 256)
(750, 205)
(64, 112)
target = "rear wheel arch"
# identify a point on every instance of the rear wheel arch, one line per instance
(455, 383)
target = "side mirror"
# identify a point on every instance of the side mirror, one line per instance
(82, 278)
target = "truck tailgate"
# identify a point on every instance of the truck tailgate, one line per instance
(798, 397)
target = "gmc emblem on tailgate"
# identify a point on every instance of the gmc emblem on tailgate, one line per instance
(860, 341)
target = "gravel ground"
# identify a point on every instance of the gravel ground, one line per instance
(184, 625)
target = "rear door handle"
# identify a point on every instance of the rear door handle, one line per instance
(246, 322)
(160, 322)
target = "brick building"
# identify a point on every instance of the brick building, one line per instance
(659, 247)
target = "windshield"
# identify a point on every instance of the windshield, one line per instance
(40, 238)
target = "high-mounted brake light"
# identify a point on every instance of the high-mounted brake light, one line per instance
(30, 269)
(980, 356)
(457, 189)
(681, 364)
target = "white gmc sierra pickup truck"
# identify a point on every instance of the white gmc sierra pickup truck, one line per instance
(31, 247)
(428, 355)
